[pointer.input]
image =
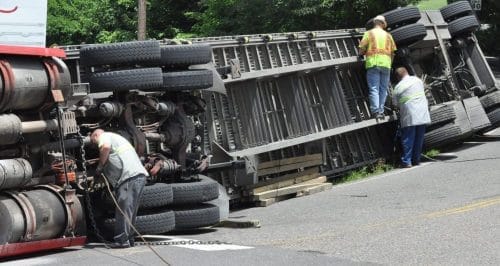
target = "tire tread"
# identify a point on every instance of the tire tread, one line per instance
(138, 52)
(196, 216)
(200, 191)
(125, 80)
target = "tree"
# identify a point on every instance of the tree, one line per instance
(77, 21)
(141, 21)
(223, 17)
(167, 18)
(71, 22)
(490, 15)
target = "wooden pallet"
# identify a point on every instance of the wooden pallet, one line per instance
(289, 164)
(268, 197)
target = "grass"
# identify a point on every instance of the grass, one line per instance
(378, 168)
(431, 4)
(432, 153)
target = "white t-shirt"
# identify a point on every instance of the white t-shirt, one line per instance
(409, 95)
(123, 162)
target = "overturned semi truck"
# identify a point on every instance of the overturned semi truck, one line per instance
(238, 112)
(296, 103)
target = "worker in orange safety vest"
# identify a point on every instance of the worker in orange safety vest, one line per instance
(378, 47)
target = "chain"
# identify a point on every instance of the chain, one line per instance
(88, 201)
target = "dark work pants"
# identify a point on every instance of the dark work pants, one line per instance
(128, 195)
(412, 140)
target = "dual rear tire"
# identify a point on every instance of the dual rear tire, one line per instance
(144, 65)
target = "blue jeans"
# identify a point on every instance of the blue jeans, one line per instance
(412, 140)
(378, 84)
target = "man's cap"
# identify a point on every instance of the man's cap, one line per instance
(381, 19)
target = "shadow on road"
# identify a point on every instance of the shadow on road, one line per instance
(33, 256)
(193, 232)
(486, 138)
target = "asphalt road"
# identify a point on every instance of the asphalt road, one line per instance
(438, 213)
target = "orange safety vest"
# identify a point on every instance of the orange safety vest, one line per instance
(379, 47)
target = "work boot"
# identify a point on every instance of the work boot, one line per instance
(119, 245)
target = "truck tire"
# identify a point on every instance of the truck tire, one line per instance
(402, 16)
(139, 52)
(200, 189)
(463, 26)
(442, 114)
(462, 120)
(478, 117)
(153, 196)
(494, 117)
(185, 55)
(456, 10)
(441, 136)
(398, 17)
(125, 80)
(197, 216)
(188, 80)
(409, 34)
(157, 195)
(491, 100)
(149, 223)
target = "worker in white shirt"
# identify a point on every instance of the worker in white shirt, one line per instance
(409, 96)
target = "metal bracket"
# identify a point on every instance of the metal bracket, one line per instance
(69, 123)
(235, 68)
(80, 90)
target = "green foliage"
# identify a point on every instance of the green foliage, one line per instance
(432, 153)
(366, 171)
(432, 4)
(77, 21)
(168, 18)
(223, 17)
(490, 15)
(71, 21)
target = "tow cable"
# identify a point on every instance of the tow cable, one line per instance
(148, 244)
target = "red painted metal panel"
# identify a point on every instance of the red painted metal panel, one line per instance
(32, 51)
(16, 249)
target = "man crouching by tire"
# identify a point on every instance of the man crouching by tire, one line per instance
(123, 168)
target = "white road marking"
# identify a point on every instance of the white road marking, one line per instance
(195, 244)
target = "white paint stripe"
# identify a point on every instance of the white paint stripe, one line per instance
(196, 244)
